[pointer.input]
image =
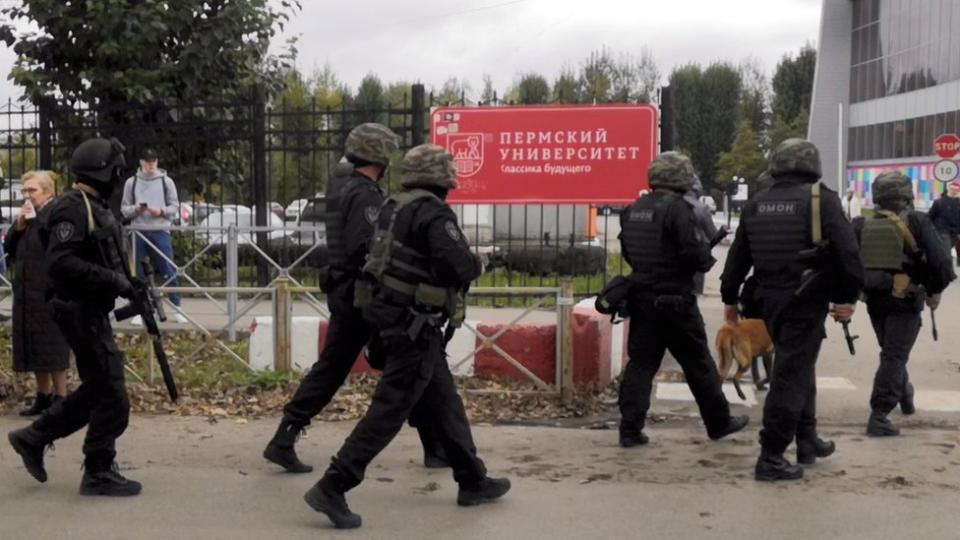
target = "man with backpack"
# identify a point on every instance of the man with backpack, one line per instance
(150, 199)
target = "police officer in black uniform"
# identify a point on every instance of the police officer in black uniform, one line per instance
(796, 214)
(661, 241)
(352, 205)
(905, 266)
(418, 265)
(85, 256)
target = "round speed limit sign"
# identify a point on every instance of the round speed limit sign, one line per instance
(946, 170)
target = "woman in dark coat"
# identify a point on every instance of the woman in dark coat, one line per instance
(38, 345)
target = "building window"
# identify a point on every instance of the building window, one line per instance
(900, 46)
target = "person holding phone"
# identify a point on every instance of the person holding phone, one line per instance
(150, 199)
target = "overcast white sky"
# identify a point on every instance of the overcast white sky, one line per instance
(431, 40)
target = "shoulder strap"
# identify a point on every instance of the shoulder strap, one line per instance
(816, 227)
(164, 182)
(91, 223)
(905, 233)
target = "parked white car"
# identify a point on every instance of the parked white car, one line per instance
(293, 210)
(241, 216)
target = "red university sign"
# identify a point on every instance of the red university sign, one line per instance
(548, 154)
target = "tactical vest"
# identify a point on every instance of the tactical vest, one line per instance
(397, 274)
(107, 235)
(778, 230)
(341, 182)
(653, 260)
(882, 244)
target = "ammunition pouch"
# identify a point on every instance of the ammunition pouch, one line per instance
(901, 286)
(415, 324)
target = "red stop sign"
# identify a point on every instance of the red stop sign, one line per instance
(947, 146)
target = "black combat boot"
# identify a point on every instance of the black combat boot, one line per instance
(108, 482)
(489, 489)
(631, 434)
(326, 496)
(31, 443)
(735, 424)
(906, 402)
(809, 449)
(881, 426)
(434, 456)
(40, 404)
(772, 467)
(280, 449)
(628, 440)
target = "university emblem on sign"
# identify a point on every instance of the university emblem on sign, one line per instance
(467, 150)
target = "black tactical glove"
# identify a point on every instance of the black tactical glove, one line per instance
(122, 285)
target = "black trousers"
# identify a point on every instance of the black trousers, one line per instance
(897, 324)
(680, 329)
(416, 374)
(101, 401)
(790, 409)
(347, 334)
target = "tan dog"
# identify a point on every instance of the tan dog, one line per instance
(743, 344)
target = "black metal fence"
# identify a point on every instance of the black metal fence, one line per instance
(262, 163)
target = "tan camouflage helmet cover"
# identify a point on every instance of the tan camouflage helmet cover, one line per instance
(671, 170)
(428, 165)
(890, 185)
(373, 143)
(795, 156)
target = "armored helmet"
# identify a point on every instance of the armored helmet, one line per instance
(671, 170)
(99, 162)
(891, 185)
(795, 156)
(371, 142)
(428, 165)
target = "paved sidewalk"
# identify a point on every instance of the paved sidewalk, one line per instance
(207, 481)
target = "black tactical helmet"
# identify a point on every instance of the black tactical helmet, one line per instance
(98, 162)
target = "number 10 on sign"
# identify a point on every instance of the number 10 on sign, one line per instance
(946, 170)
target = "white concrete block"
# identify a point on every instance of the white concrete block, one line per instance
(462, 344)
(681, 392)
(305, 337)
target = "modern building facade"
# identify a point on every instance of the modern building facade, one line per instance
(887, 84)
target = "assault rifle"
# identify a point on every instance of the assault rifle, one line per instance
(850, 339)
(933, 323)
(147, 304)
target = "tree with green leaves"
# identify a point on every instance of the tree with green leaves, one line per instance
(453, 92)
(137, 63)
(109, 52)
(531, 89)
(706, 111)
(606, 78)
(488, 96)
(744, 159)
(754, 96)
(566, 88)
(792, 93)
